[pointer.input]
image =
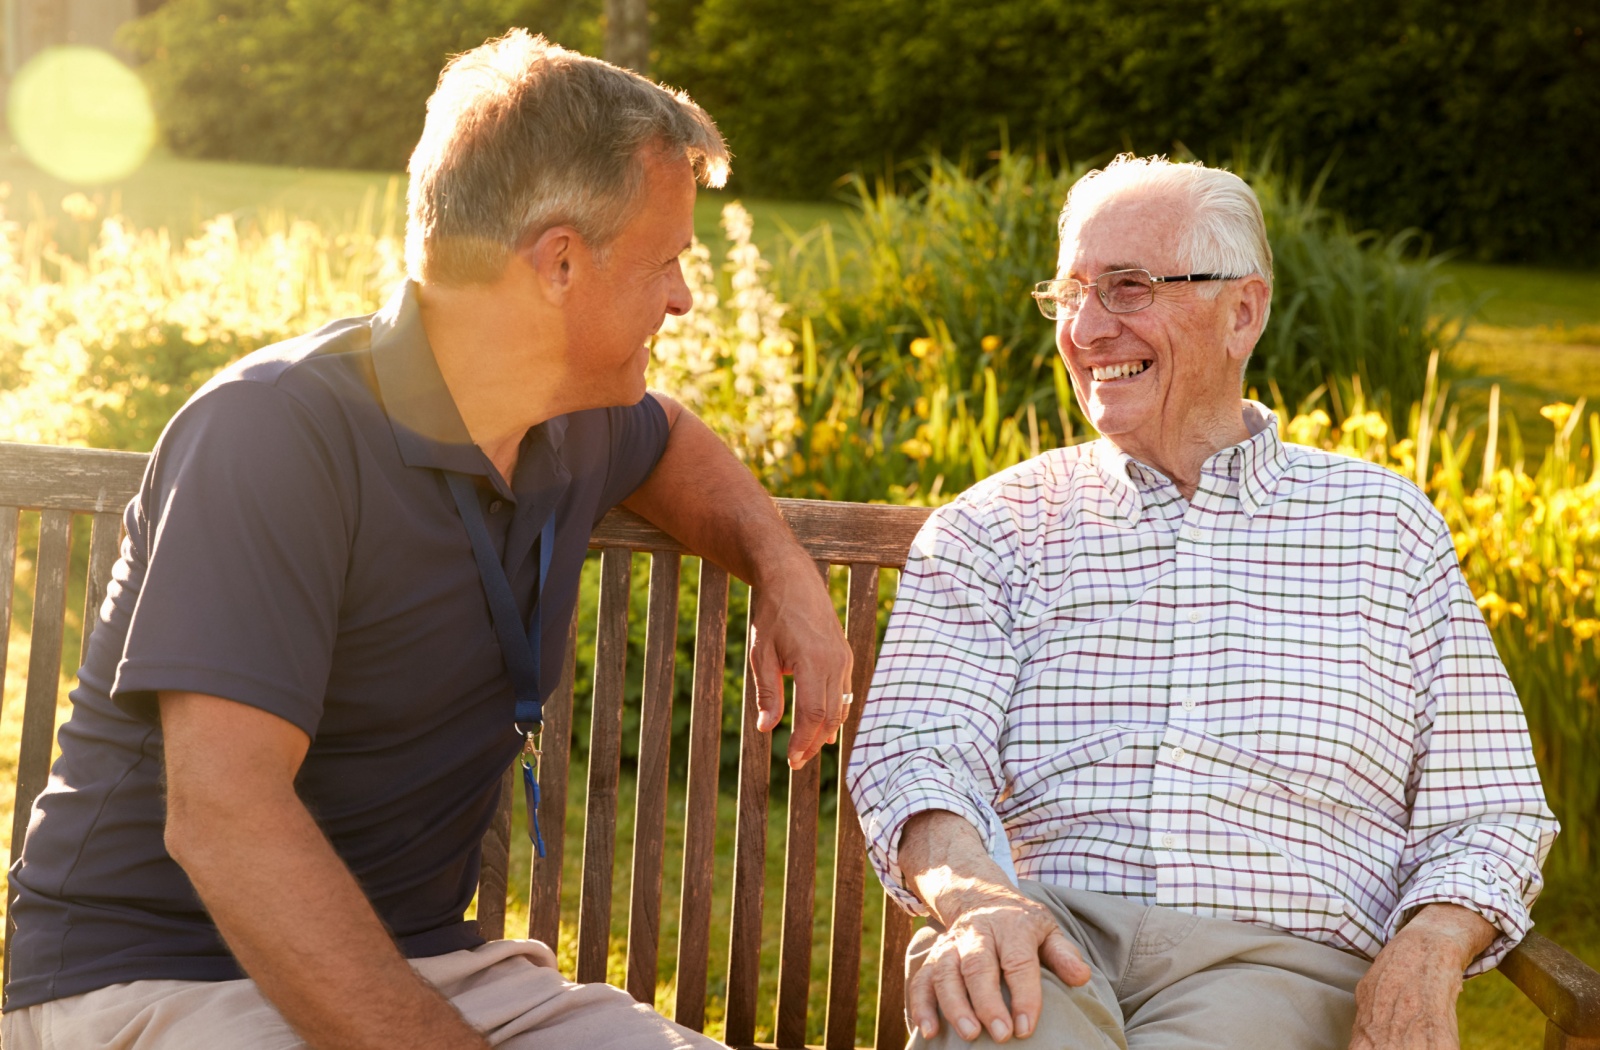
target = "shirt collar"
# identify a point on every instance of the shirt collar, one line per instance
(1257, 463)
(426, 423)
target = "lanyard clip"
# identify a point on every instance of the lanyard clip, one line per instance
(532, 755)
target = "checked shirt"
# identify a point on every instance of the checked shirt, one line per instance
(1275, 703)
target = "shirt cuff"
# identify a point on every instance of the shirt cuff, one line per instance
(1480, 887)
(884, 825)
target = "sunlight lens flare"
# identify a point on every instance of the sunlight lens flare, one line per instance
(81, 115)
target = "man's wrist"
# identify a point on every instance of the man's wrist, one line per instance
(1451, 931)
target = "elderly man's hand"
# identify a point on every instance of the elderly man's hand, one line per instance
(992, 934)
(999, 935)
(794, 630)
(1407, 1001)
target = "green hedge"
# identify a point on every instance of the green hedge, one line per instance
(328, 83)
(1472, 119)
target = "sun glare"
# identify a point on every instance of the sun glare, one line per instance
(81, 115)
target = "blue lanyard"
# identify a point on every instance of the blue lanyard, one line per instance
(521, 651)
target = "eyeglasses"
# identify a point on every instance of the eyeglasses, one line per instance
(1120, 291)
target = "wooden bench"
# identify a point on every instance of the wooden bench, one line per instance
(61, 483)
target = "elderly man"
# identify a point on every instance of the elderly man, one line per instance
(1226, 703)
(344, 595)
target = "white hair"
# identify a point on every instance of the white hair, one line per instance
(523, 135)
(1226, 231)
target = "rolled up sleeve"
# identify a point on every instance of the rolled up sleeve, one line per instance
(930, 730)
(1480, 827)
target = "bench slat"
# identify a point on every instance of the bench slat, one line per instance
(849, 860)
(838, 533)
(87, 480)
(9, 521)
(749, 861)
(494, 871)
(650, 798)
(799, 895)
(44, 672)
(103, 543)
(700, 818)
(544, 893)
(605, 763)
(891, 1026)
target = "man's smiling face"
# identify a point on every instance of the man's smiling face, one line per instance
(1144, 378)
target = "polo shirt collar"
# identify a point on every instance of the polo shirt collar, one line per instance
(1258, 463)
(427, 425)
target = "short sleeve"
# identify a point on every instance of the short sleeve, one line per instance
(638, 438)
(244, 533)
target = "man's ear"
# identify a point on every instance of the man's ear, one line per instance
(550, 257)
(1247, 316)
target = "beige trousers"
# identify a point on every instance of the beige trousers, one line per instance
(515, 1003)
(1168, 980)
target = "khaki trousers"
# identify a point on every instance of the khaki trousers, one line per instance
(1168, 980)
(515, 1003)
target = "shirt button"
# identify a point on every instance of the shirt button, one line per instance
(496, 506)
(1188, 703)
(1169, 841)
(1194, 616)
(1192, 532)
(1178, 754)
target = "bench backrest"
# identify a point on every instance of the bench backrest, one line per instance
(61, 483)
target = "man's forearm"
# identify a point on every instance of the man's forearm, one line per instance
(701, 495)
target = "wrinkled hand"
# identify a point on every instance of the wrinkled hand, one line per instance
(1407, 1000)
(794, 630)
(1000, 935)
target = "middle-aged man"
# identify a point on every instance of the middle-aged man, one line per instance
(346, 586)
(1226, 703)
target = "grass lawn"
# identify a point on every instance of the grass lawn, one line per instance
(182, 194)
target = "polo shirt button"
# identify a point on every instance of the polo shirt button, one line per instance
(496, 506)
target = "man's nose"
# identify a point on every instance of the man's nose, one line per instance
(679, 298)
(1093, 323)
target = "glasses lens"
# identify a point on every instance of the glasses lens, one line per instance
(1058, 299)
(1125, 291)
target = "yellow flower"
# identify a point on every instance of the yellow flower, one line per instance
(921, 348)
(79, 207)
(1557, 413)
(990, 343)
(1493, 607)
(1585, 629)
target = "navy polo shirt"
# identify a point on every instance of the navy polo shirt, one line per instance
(294, 547)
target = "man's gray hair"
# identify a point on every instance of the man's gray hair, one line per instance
(1226, 232)
(523, 135)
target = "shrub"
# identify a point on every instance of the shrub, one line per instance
(332, 83)
(1470, 120)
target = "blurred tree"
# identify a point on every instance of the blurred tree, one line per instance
(1473, 119)
(333, 83)
(628, 34)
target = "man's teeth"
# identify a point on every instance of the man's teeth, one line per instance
(1130, 368)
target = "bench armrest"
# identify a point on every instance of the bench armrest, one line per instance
(1564, 988)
